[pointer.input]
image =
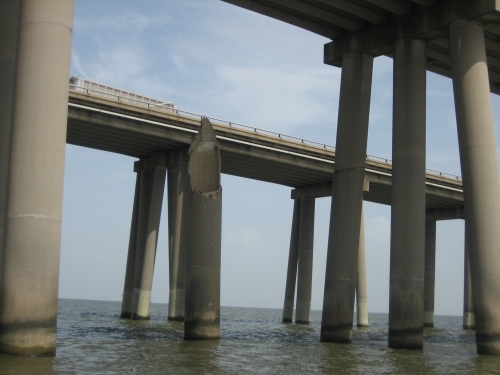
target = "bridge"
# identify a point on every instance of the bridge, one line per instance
(455, 38)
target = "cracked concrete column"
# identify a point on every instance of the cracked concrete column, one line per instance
(150, 201)
(293, 258)
(347, 198)
(32, 239)
(481, 185)
(305, 264)
(178, 194)
(468, 316)
(406, 295)
(361, 289)
(9, 22)
(430, 272)
(128, 288)
(204, 223)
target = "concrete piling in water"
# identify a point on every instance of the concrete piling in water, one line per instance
(128, 288)
(468, 316)
(32, 239)
(430, 272)
(347, 198)
(361, 288)
(293, 257)
(178, 194)
(406, 295)
(481, 185)
(305, 264)
(204, 220)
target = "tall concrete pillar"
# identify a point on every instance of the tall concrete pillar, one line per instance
(150, 201)
(32, 239)
(347, 198)
(361, 289)
(406, 295)
(305, 265)
(468, 317)
(293, 258)
(478, 157)
(204, 221)
(177, 199)
(9, 22)
(128, 288)
(430, 272)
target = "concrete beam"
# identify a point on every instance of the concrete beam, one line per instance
(428, 24)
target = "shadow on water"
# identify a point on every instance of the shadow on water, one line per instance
(93, 340)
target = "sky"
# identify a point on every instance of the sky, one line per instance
(218, 60)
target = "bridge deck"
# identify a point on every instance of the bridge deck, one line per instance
(116, 126)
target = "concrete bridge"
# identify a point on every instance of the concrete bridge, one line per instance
(457, 38)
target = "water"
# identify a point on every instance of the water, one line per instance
(91, 339)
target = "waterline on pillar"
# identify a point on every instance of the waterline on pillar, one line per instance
(27, 340)
(142, 304)
(176, 305)
(303, 313)
(429, 319)
(468, 322)
(127, 304)
(287, 312)
(362, 314)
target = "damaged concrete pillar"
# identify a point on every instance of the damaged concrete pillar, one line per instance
(178, 194)
(293, 258)
(305, 264)
(204, 221)
(32, 239)
(150, 202)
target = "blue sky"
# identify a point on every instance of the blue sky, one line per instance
(218, 60)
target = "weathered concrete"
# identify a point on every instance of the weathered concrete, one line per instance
(406, 296)
(361, 288)
(347, 199)
(305, 265)
(430, 272)
(293, 258)
(129, 284)
(28, 305)
(478, 156)
(9, 22)
(204, 221)
(468, 316)
(178, 194)
(150, 201)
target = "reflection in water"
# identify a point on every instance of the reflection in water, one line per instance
(93, 340)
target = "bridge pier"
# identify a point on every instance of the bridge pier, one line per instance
(347, 198)
(406, 295)
(430, 272)
(478, 156)
(305, 261)
(293, 258)
(468, 316)
(178, 194)
(361, 289)
(203, 222)
(152, 181)
(32, 238)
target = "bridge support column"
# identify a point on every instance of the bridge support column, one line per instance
(406, 297)
(9, 22)
(32, 239)
(305, 265)
(177, 200)
(347, 198)
(152, 181)
(361, 289)
(478, 156)
(430, 272)
(128, 288)
(202, 313)
(293, 258)
(468, 317)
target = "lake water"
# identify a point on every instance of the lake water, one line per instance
(91, 339)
